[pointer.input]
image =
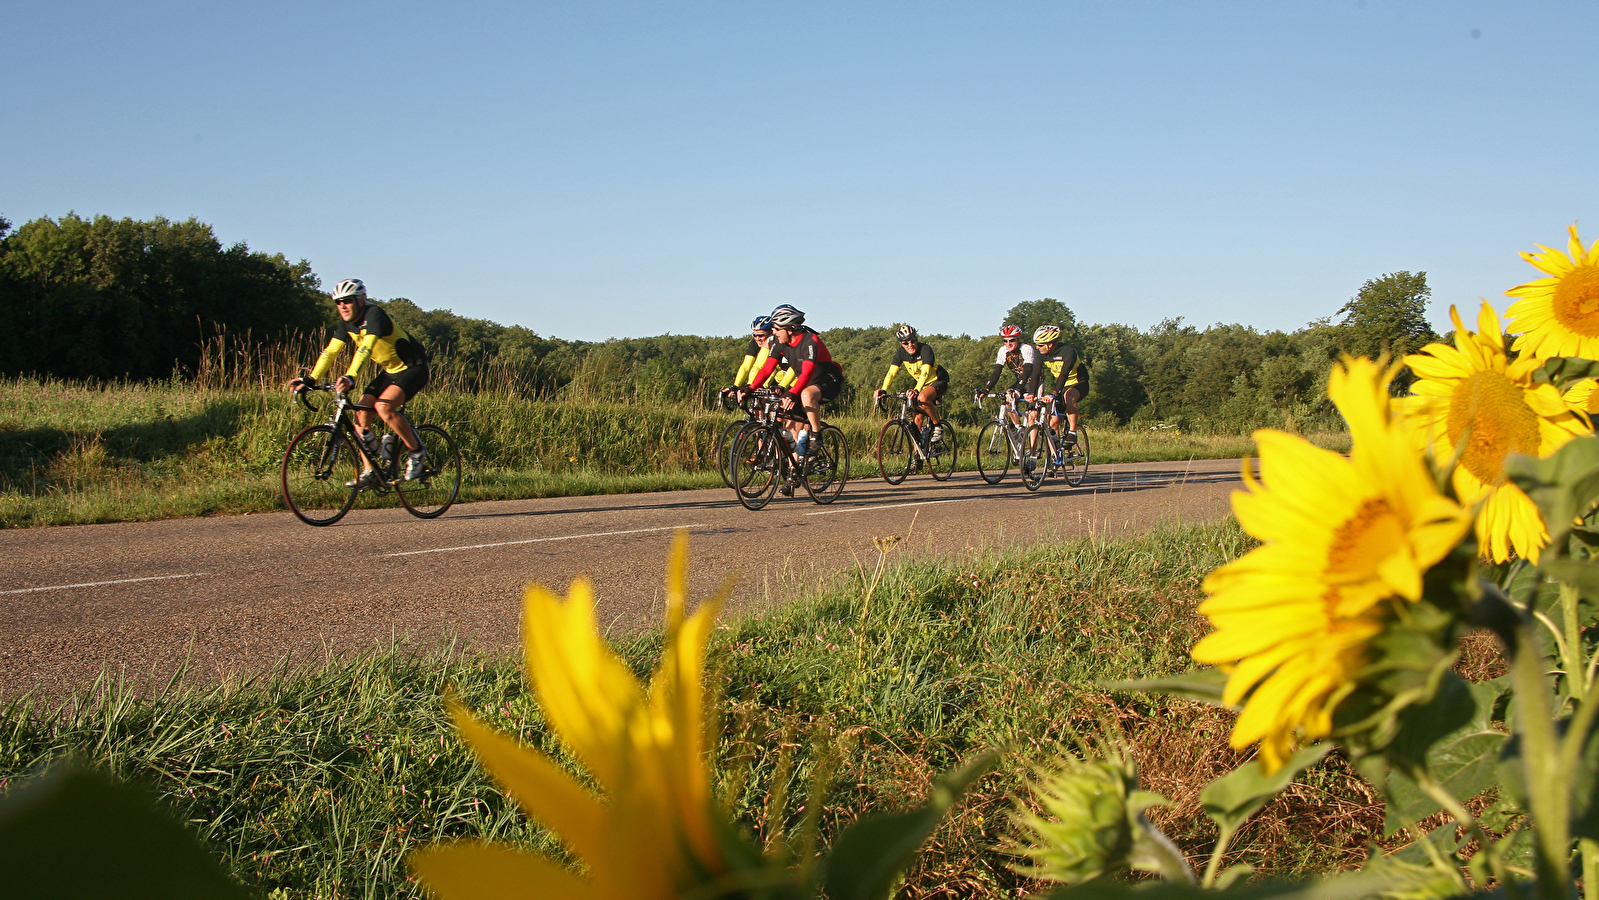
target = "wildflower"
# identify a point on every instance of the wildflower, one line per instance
(1471, 401)
(1584, 397)
(1341, 536)
(653, 833)
(1559, 315)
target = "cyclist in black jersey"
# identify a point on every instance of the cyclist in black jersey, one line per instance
(1059, 380)
(919, 361)
(404, 372)
(817, 379)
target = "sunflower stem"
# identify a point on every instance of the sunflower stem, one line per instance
(1548, 798)
(1576, 680)
(1463, 817)
(1590, 865)
(1213, 866)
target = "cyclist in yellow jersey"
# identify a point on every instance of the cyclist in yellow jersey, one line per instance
(402, 359)
(1059, 379)
(919, 362)
(756, 354)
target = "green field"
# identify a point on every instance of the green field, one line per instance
(76, 453)
(316, 780)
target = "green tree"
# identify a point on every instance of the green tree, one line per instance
(1389, 315)
(1030, 314)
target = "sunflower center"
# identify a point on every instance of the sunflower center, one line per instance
(1490, 411)
(1364, 539)
(1576, 300)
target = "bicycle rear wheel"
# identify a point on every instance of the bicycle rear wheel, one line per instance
(724, 449)
(896, 451)
(827, 465)
(1036, 454)
(1077, 458)
(758, 465)
(430, 495)
(993, 452)
(941, 455)
(315, 468)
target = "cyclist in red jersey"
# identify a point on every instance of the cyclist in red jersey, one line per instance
(817, 378)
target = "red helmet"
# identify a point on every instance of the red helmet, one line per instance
(1010, 331)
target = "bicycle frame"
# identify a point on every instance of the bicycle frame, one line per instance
(344, 428)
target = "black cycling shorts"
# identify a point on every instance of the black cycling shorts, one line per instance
(940, 386)
(412, 380)
(830, 378)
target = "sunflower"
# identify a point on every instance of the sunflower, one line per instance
(653, 833)
(1470, 401)
(1584, 397)
(1341, 538)
(1559, 315)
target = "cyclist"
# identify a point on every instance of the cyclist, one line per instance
(817, 378)
(931, 379)
(404, 362)
(755, 356)
(1021, 359)
(1059, 379)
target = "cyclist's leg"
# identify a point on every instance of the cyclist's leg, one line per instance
(1070, 405)
(811, 400)
(396, 391)
(927, 400)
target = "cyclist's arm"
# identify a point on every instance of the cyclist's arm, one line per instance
(993, 378)
(325, 361)
(745, 369)
(363, 352)
(755, 365)
(803, 380)
(889, 378)
(783, 377)
(765, 371)
(929, 368)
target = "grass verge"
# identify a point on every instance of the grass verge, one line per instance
(315, 781)
(74, 453)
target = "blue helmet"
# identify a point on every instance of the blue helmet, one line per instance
(787, 316)
(761, 323)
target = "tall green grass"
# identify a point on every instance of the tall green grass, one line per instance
(73, 452)
(315, 781)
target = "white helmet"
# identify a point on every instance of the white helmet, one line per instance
(349, 287)
(787, 317)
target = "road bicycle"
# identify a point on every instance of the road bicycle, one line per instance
(762, 404)
(999, 442)
(903, 449)
(323, 463)
(764, 457)
(1050, 453)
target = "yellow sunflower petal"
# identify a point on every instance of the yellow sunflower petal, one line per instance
(474, 871)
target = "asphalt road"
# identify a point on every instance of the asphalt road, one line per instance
(236, 593)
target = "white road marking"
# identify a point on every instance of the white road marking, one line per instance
(564, 537)
(90, 584)
(828, 512)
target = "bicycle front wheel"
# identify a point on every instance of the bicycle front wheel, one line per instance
(827, 466)
(941, 455)
(315, 468)
(1077, 458)
(896, 451)
(430, 495)
(724, 449)
(1036, 455)
(757, 465)
(993, 452)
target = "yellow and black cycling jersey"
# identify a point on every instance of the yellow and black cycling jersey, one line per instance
(921, 365)
(1056, 371)
(755, 356)
(375, 337)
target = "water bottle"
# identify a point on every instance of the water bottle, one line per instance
(386, 448)
(803, 442)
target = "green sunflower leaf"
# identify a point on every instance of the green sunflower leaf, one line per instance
(1347, 887)
(1204, 685)
(1565, 485)
(1453, 737)
(869, 856)
(1565, 371)
(1230, 800)
(73, 832)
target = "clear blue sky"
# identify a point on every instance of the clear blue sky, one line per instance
(605, 169)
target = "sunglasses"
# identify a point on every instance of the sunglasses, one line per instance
(907, 343)
(1013, 340)
(344, 301)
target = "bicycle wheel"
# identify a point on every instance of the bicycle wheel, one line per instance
(315, 468)
(941, 455)
(1036, 455)
(993, 452)
(758, 465)
(429, 496)
(724, 448)
(1077, 458)
(896, 451)
(827, 466)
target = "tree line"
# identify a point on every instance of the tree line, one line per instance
(104, 298)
